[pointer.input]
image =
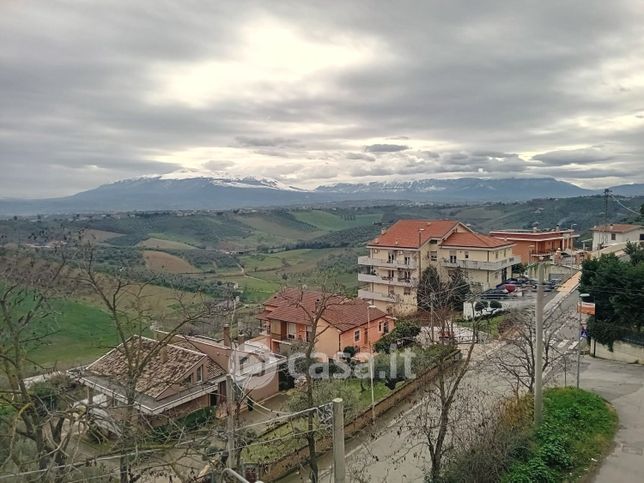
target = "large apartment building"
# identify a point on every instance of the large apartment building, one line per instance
(398, 257)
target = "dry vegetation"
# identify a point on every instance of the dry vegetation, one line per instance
(164, 262)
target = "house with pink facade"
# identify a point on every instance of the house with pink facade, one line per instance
(288, 318)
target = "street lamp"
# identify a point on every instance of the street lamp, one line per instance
(581, 296)
(373, 400)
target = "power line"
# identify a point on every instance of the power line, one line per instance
(624, 206)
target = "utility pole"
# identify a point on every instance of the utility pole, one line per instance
(230, 395)
(339, 469)
(538, 360)
(371, 368)
(604, 238)
(581, 296)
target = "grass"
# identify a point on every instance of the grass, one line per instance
(577, 429)
(264, 273)
(98, 236)
(491, 325)
(275, 227)
(80, 333)
(332, 222)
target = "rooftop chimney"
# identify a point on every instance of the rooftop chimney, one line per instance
(227, 340)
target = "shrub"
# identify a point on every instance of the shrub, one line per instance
(495, 304)
(577, 427)
(403, 334)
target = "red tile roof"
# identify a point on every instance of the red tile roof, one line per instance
(405, 233)
(617, 228)
(533, 235)
(298, 306)
(164, 367)
(474, 240)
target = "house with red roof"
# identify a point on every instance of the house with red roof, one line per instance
(534, 245)
(401, 253)
(174, 375)
(289, 315)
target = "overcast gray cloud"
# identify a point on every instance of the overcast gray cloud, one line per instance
(312, 92)
(573, 156)
(385, 148)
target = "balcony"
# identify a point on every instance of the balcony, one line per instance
(377, 262)
(398, 281)
(476, 265)
(383, 297)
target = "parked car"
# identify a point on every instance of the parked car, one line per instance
(495, 293)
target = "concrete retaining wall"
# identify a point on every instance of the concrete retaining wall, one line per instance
(622, 352)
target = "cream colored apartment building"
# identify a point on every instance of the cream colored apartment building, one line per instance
(391, 271)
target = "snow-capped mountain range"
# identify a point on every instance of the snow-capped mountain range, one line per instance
(196, 190)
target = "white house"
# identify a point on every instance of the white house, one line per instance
(605, 235)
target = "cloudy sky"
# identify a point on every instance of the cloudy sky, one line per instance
(315, 92)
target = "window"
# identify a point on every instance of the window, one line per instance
(390, 274)
(613, 236)
(391, 257)
(200, 374)
(407, 260)
(308, 334)
(466, 254)
(496, 255)
(292, 330)
(407, 291)
(385, 327)
(188, 380)
(452, 259)
(433, 256)
(356, 335)
(391, 290)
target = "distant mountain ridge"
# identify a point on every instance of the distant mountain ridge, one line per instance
(190, 190)
(467, 189)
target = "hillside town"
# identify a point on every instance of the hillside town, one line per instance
(321, 242)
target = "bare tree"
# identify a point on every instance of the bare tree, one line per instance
(131, 316)
(516, 363)
(435, 419)
(312, 313)
(38, 413)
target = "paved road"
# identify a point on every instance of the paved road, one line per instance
(623, 386)
(391, 453)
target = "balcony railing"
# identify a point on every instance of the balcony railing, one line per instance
(378, 262)
(368, 295)
(398, 281)
(476, 265)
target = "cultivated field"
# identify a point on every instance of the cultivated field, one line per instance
(164, 262)
(161, 244)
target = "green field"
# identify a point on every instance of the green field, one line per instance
(69, 333)
(264, 274)
(328, 221)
